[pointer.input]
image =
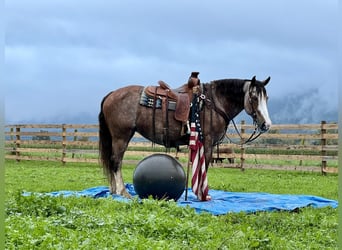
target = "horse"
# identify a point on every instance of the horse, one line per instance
(121, 115)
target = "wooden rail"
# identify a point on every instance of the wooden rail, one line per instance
(307, 147)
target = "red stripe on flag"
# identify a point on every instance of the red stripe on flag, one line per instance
(199, 175)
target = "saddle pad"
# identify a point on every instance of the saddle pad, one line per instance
(148, 101)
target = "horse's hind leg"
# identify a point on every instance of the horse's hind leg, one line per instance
(112, 182)
(116, 180)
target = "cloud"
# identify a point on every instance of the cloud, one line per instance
(82, 50)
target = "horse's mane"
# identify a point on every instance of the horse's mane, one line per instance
(232, 88)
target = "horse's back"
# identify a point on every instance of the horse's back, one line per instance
(121, 105)
(132, 88)
(123, 95)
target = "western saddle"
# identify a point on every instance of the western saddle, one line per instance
(182, 96)
(178, 99)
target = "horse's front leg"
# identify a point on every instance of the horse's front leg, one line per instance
(208, 151)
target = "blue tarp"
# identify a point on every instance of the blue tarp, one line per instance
(223, 202)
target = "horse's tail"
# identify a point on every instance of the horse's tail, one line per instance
(105, 142)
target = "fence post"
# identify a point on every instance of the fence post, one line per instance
(12, 133)
(63, 143)
(17, 143)
(323, 148)
(242, 133)
(75, 139)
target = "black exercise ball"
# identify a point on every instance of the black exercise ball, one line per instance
(160, 176)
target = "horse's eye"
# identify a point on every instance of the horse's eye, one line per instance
(254, 98)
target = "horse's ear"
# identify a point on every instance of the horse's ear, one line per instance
(253, 80)
(267, 80)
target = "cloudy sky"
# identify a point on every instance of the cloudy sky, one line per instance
(62, 57)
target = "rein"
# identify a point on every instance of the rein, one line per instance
(217, 110)
(250, 139)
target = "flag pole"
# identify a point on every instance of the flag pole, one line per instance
(187, 174)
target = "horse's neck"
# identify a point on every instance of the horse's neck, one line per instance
(231, 102)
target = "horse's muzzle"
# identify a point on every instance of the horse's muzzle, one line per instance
(264, 127)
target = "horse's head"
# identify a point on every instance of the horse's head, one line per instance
(256, 103)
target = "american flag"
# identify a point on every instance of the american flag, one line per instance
(199, 180)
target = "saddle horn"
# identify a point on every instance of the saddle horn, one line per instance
(193, 80)
(194, 74)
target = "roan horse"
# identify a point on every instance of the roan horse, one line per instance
(122, 115)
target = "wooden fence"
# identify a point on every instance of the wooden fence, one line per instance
(305, 147)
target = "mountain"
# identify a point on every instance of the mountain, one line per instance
(296, 108)
(300, 108)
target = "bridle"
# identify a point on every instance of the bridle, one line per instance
(253, 114)
(254, 134)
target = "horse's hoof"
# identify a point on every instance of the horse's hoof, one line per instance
(126, 195)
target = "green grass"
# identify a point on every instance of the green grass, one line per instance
(266, 162)
(38, 222)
